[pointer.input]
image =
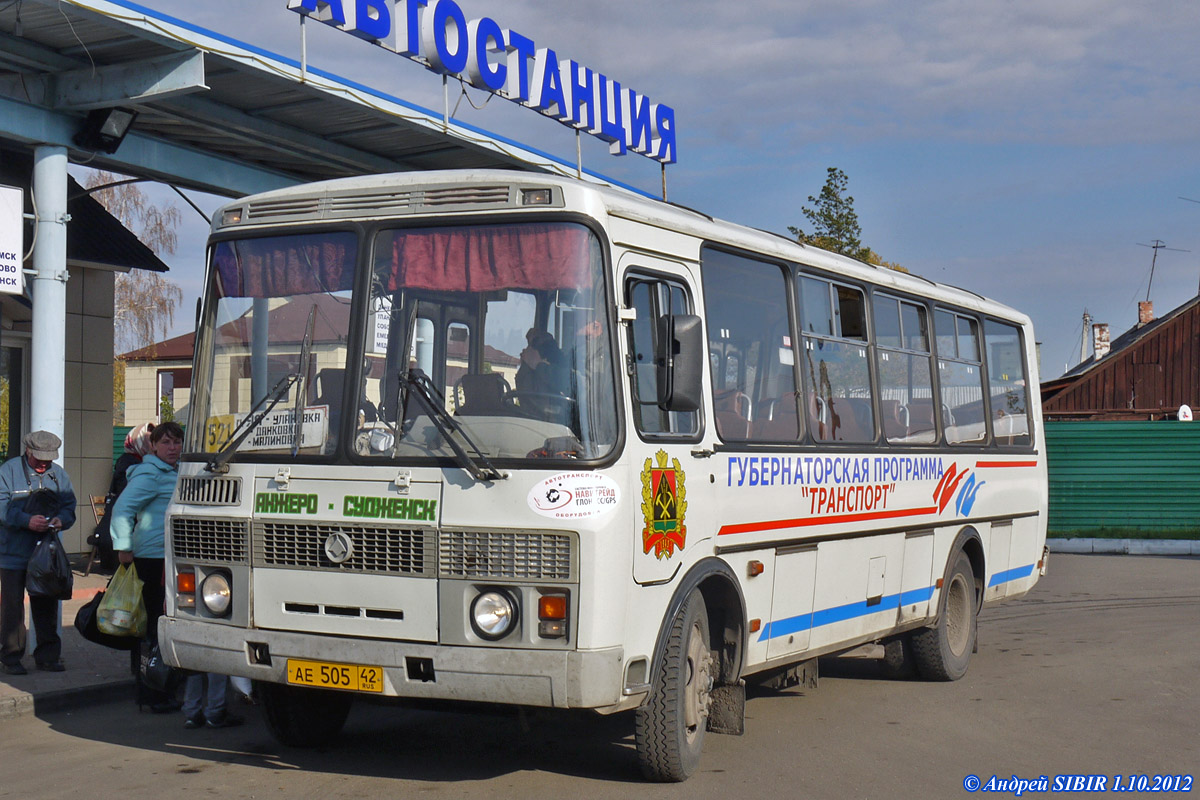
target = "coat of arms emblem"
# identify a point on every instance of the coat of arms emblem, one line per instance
(663, 506)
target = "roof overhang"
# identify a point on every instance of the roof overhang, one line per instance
(216, 114)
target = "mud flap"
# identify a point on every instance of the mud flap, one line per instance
(727, 709)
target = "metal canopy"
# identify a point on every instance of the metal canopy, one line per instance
(215, 114)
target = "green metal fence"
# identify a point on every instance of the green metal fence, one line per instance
(119, 434)
(1124, 478)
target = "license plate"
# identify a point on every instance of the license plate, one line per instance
(325, 675)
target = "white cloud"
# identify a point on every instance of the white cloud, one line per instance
(1015, 147)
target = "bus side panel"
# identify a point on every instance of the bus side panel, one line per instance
(998, 560)
(916, 588)
(1025, 549)
(857, 588)
(790, 629)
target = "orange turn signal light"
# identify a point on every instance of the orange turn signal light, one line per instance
(185, 582)
(755, 625)
(552, 606)
(754, 569)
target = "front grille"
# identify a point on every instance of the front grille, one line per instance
(484, 554)
(210, 491)
(209, 540)
(392, 551)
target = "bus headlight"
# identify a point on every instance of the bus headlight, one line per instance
(216, 594)
(493, 615)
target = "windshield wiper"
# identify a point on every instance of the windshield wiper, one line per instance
(414, 382)
(431, 401)
(302, 381)
(219, 462)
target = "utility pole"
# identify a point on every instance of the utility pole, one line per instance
(1158, 244)
(1087, 328)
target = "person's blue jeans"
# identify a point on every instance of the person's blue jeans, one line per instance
(204, 695)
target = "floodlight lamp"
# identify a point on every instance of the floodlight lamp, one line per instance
(105, 128)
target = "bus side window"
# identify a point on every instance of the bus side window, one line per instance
(1007, 386)
(905, 374)
(836, 367)
(653, 298)
(750, 344)
(960, 375)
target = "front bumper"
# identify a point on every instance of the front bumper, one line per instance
(548, 678)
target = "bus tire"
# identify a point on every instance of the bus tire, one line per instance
(299, 717)
(942, 652)
(670, 724)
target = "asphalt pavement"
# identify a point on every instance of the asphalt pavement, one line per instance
(95, 674)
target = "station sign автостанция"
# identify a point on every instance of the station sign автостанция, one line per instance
(12, 240)
(437, 35)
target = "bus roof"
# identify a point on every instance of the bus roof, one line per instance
(597, 199)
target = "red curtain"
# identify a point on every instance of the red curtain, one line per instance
(486, 258)
(282, 266)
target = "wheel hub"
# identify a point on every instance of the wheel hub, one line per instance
(701, 671)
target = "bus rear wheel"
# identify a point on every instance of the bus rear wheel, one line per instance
(943, 651)
(670, 725)
(299, 717)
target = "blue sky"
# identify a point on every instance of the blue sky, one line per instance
(1019, 149)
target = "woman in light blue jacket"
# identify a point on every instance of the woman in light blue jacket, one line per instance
(138, 519)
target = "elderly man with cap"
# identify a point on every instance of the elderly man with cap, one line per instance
(35, 497)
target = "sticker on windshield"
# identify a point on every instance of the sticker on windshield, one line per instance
(574, 495)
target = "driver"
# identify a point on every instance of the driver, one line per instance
(542, 373)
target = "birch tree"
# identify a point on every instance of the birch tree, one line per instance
(144, 302)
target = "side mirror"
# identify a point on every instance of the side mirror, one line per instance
(679, 362)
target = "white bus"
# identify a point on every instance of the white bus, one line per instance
(511, 438)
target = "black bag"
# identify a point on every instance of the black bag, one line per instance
(85, 623)
(156, 673)
(101, 537)
(43, 502)
(49, 571)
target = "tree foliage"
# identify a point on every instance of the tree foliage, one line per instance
(834, 223)
(144, 302)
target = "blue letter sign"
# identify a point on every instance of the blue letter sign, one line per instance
(436, 34)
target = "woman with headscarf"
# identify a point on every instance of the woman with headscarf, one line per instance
(137, 446)
(138, 522)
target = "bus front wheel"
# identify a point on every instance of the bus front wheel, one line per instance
(670, 725)
(299, 717)
(943, 651)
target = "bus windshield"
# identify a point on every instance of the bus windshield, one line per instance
(499, 328)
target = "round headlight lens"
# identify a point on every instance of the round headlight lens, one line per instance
(216, 594)
(493, 615)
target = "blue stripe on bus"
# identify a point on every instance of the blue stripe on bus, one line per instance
(829, 616)
(1011, 575)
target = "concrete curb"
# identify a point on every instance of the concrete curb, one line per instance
(25, 703)
(1130, 547)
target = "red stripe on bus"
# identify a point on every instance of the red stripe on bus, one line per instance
(991, 464)
(755, 527)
